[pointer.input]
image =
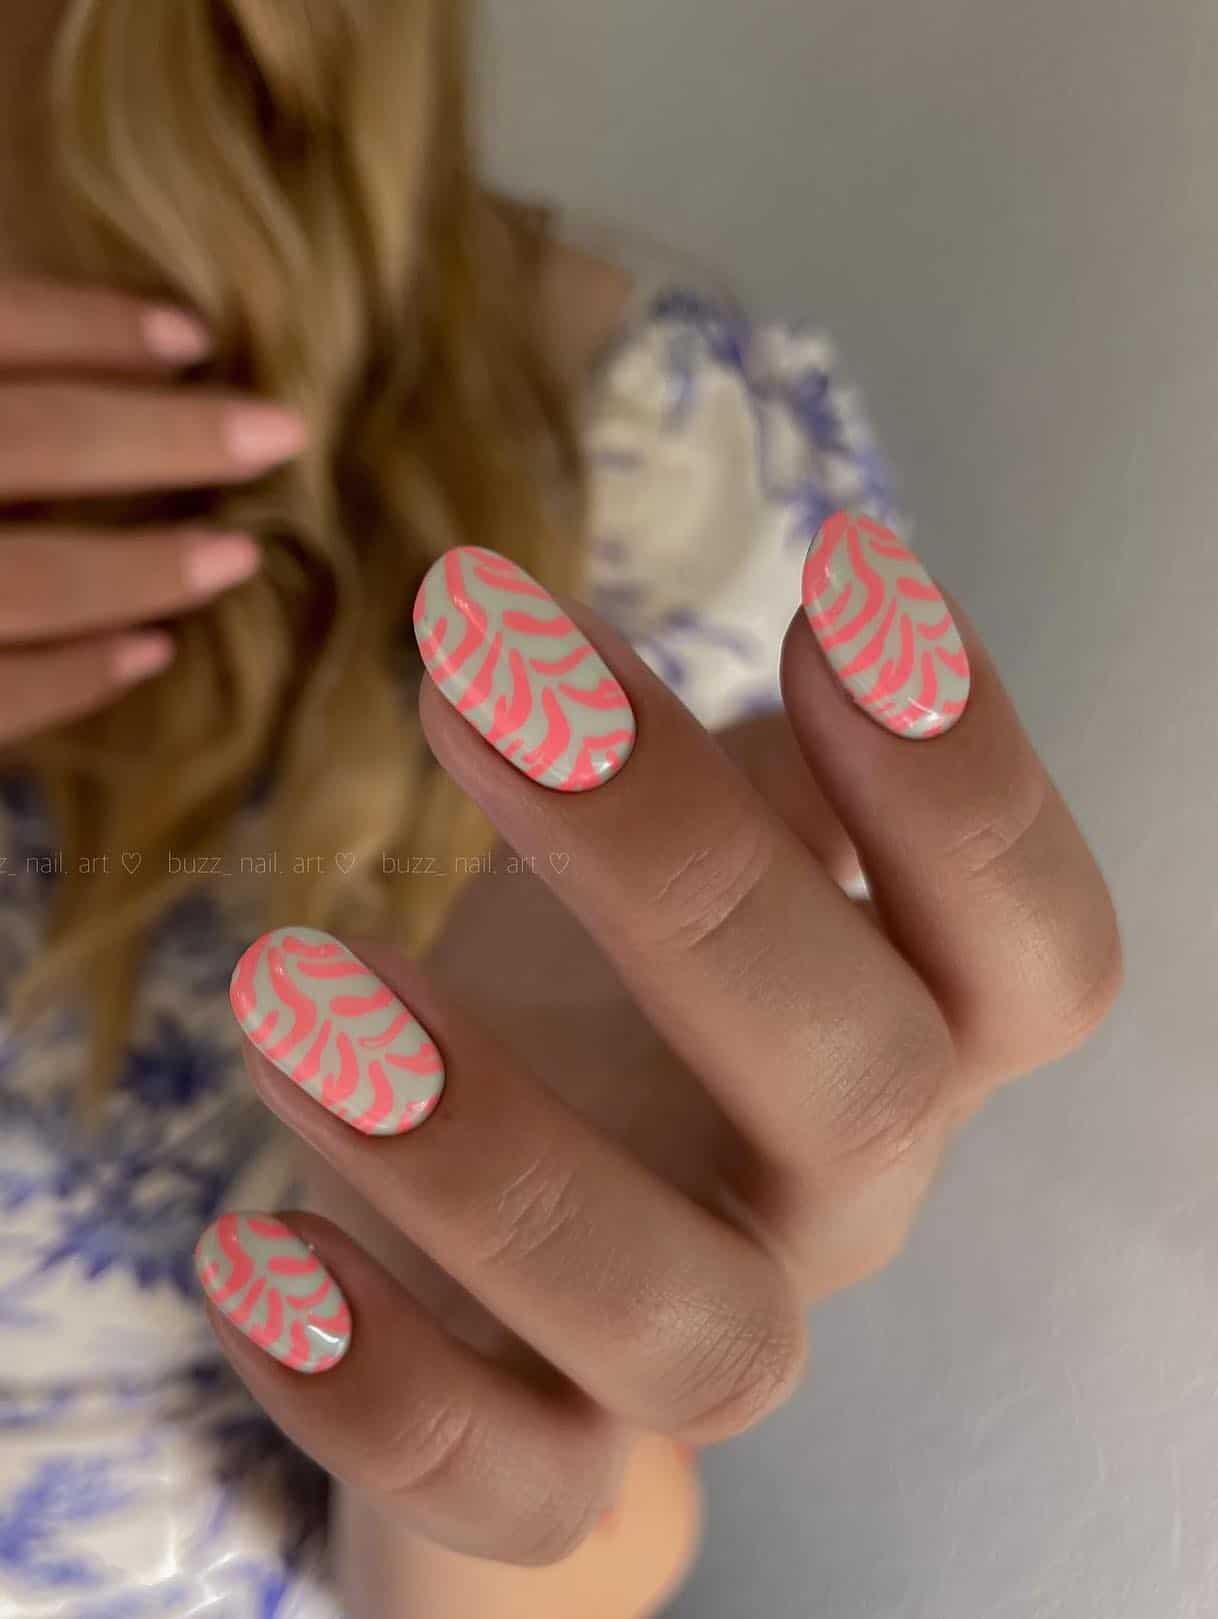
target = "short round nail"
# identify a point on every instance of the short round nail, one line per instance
(885, 627)
(512, 663)
(259, 434)
(172, 334)
(273, 1287)
(324, 1019)
(220, 561)
(136, 657)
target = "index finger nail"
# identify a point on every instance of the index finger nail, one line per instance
(512, 663)
(884, 627)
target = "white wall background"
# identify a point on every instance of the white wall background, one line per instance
(1007, 213)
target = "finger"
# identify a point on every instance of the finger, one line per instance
(64, 438)
(47, 325)
(976, 866)
(56, 584)
(765, 749)
(51, 685)
(634, 1564)
(432, 1435)
(816, 1038)
(658, 1309)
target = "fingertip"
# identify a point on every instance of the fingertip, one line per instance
(139, 656)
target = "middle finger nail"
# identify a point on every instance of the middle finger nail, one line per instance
(327, 1021)
(510, 661)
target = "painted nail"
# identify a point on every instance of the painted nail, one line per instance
(273, 1287)
(220, 561)
(885, 628)
(173, 334)
(328, 1022)
(136, 657)
(508, 659)
(260, 434)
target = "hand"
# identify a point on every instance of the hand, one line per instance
(87, 408)
(801, 1059)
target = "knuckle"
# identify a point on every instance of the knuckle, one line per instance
(887, 1090)
(431, 1449)
(1083, 971)
(998, 822)
(735, 1370)
(709, 887)
(570, 1514)
(865, 1229)
(537, 1207)
(556, 1515)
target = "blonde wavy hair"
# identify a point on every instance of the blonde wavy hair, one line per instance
(302, 173)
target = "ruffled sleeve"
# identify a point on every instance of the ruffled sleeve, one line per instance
(718, 444)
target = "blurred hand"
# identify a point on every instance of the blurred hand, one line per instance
(89, 405)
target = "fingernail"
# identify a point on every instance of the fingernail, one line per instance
(328, 1022)
(173, 334)
(260, 434)
(220, 561)
(511, 662)
(135, 657)
(273, 1287)
(885, 628)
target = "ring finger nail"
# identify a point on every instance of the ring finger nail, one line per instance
(885, 628)
(273, 1287)
(508, 659)
(327, 1021)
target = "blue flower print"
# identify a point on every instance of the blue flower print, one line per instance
(149, 1233)
(175, 1067)
(36, 1520)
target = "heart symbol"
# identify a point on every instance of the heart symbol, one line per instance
(560, 862)
(344, 860)
(131, 863)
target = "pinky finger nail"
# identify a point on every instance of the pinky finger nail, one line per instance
(885, 627)
(137, 656)
(272, 1286)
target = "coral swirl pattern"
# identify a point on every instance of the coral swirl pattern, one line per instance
(509, 659)
(885, 627)
(328, 1022)
(273, 1287)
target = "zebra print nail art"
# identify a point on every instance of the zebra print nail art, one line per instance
(328, 1022)
(273, 1287)
(885, 628)
(514, 665)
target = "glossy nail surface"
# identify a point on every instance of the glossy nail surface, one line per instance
(327, 1021)
(273, 1287)
(885, 628)
(515, 666)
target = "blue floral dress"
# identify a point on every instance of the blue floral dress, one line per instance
(137, 1480)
